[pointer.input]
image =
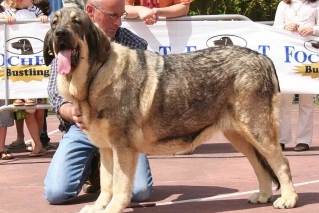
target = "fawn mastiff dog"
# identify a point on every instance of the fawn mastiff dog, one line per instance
(136, 101)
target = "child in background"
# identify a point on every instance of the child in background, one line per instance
(25, 9)
(21, 9)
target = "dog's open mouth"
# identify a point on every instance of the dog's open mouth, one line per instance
(67, 59)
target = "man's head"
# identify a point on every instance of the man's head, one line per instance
(107, 14)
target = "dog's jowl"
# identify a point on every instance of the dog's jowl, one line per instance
(136, 101)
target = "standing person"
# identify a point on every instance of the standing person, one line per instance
(6, 120)
(20, 115)
(21, 9)
(25, 9)
(44, 5)
(70, 166)
(150, 10)
(298, 16)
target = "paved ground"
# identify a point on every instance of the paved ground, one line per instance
(215, 178)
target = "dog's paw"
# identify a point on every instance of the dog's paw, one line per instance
(260, 198)
(91, 209)
(286, 202)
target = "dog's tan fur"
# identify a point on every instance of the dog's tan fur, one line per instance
(136, 101)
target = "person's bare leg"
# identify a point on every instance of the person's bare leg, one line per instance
(33, 128)
(3, 134)
(5, 155)
(20, 130)
(39, 116)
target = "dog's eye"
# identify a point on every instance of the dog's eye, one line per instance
(54, 22)
(76, 21)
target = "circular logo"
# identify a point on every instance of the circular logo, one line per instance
(226, 40)
(24, 45)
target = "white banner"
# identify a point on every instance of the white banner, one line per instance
(26, 72)
(296, 58)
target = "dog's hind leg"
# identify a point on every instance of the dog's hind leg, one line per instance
(106, 176)
(258, 124)
(241, 144)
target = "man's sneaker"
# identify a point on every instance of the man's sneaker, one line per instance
(92, 184)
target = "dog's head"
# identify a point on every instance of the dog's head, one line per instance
(225, 41)
(74, 38)
(24, 45)
(315, 45)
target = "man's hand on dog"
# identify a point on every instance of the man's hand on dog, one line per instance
(70, 113)
(77, 117)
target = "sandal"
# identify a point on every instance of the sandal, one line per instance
(18, 102)
(16, 145)
(38, 152)
(30, 102)
(50, 146)
(5, 155)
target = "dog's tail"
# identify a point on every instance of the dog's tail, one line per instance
(273, 71)
(267, 167)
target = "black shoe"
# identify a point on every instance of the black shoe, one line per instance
(282, 146)
(44, 138)
(87, 188)
(92, 184)
(300, 147)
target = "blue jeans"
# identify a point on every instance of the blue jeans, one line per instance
(70, 168)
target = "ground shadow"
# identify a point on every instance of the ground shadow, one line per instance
(214, 148)
(187, 192)
(225, 205)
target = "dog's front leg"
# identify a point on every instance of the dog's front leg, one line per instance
(125, 161)
(106, 179)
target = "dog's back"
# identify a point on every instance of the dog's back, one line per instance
(177, 97)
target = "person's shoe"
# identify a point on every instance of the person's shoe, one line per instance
(49, 146)
(30, 102)
(18, 102)
(282, 145)
(92, 184)
(88, 188)
(301, 147)
(17, 144)
(44, 138)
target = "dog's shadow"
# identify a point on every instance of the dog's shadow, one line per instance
(215, 148)
(225, 205)
(184, 192)
(161, 194)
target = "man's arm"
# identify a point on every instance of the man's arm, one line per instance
(173, 11)
(137, 11)
(127, 38)
(61, 107)
(65, 111)
(150, 16)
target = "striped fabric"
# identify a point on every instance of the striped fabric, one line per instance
(12, 11)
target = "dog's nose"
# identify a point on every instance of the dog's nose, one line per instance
(61, 33)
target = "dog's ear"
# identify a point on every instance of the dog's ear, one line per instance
(48, 48)
(102, 43)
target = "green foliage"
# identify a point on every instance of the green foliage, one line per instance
(256, 10)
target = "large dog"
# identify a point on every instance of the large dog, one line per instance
(137, 101)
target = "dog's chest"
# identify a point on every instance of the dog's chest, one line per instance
(98, 139)
(98, 133)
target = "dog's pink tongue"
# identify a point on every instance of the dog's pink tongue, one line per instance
(64, 62)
